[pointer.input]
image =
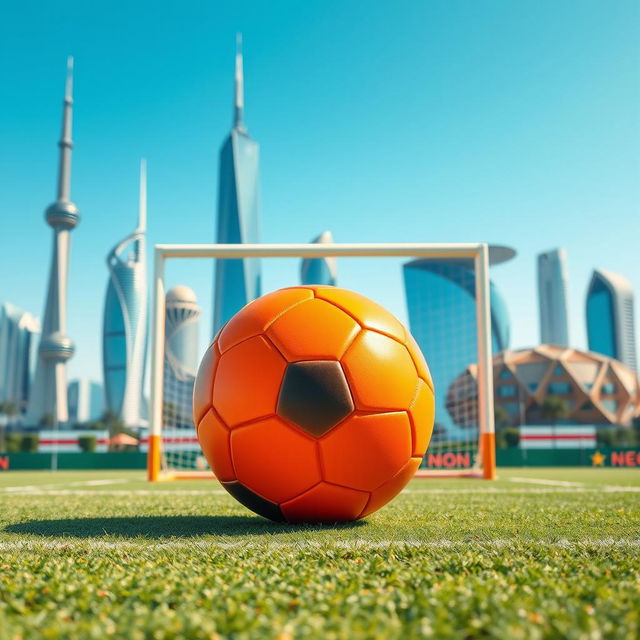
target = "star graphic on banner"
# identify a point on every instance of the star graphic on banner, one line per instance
(597, 459)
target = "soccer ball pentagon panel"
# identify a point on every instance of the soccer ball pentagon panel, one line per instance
(313, 404)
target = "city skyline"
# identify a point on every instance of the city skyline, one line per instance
(584, 111)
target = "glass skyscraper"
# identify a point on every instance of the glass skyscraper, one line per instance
(18, 334)
(610, 317)
(442, 316)
(124, 341)
(552, 297)
(181, 356)
(320, 270)
(237, 282)
(85, 399)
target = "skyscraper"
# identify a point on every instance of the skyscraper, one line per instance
(181, 357)
(124, 342)
(320, 270)
(85, 400)
(552, 297)
(237, 282)
(610, 321)
(48, 399)
(18, 331)
(442, 317)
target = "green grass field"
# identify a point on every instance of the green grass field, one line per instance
(544, 553)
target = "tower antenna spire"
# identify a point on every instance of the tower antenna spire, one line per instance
(66, 143)
(142, 202)
(238, 104)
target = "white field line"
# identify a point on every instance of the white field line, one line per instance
(551, 483)
(114, 492)
(37, 491)
(578, 485)
(71, 544)
(28, 488)
(99, 483)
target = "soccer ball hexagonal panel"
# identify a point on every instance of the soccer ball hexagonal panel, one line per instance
(203, 385)
(326, 503)
(381, 373)
(313, 327)
(315, 395)
(274, 460)
(256, 317)
(213, 437)
(367, 312)
(365, 451)
(247, 381)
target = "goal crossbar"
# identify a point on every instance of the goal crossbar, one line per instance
(478, 252)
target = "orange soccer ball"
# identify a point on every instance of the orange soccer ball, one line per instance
(313, 404)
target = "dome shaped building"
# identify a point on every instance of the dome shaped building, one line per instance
(182, 315)
(595, 389)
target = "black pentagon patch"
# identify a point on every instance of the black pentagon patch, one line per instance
(315, 395)
(253, 501)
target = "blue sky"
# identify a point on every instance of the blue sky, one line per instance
(477, 120)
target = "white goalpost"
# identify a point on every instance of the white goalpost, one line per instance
(173, 453)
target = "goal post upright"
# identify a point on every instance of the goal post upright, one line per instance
(486, 420)
(157, 367)
(478, 253)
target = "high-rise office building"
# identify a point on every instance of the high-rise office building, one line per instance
(552, 297)
(181, 357)
(237, 282)
(124, 341)
(442, 318)
(85, 399)
(18, 336)
(48, 398)
(320, 270)
(610, 318)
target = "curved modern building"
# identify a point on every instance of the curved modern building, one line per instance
(237, 282)
(124, 341)
(610, 317)
(442, 317)
(596, 389)
(320, 270)
(48, 399)
(181, 358)
(18, 334)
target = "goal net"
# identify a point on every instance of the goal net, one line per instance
(441, 292)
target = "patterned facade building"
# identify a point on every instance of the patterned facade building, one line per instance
(595, 389)
(124, 337)
(237, 282)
